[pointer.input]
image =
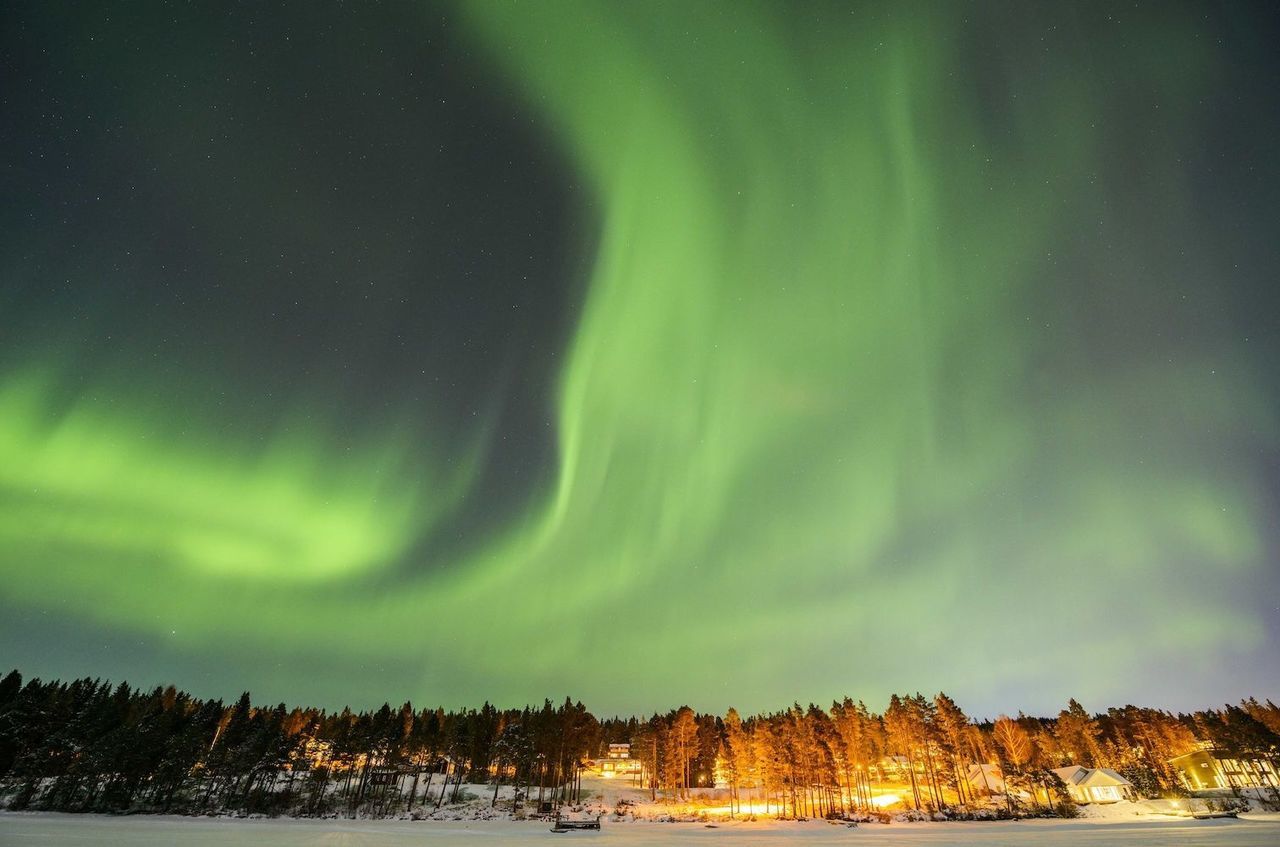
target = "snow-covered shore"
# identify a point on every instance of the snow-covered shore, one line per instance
(54, 830)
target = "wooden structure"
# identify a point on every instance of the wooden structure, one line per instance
(570, 825)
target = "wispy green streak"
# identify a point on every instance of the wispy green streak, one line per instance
(806, 444)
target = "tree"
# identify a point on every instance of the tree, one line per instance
(953, 739)
(1016, 749)
(735, 756)
(1077, 734)
(684, 738)
(645, 747)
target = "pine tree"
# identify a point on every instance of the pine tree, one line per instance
(1077, 734)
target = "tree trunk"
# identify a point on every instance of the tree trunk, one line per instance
(444, 786)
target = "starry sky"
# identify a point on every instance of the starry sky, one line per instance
(653, 353)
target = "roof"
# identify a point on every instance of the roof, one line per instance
(1079, 775)
(986, 775)
(1072, 775)
(1106, 776)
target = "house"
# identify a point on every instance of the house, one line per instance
(985, 779)
(617, 762)
(1206, 768)
(1095, 785)
(894, 767)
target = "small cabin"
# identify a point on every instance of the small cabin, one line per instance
(1095, 785)
(985, 779)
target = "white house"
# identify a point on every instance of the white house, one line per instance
(1095, 785)
(985, 779)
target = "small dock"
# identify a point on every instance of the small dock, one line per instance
(575, 824)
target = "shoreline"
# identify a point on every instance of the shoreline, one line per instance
(41, 829)
(608, 821)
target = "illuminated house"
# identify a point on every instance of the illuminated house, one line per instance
(985, 779)
(1204, 769)
(618, 762)
(1095, 785)
(895, 767)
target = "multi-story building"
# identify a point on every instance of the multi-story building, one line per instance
(1207, 768)
(618, 762)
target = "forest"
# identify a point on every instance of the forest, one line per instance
(93, 745)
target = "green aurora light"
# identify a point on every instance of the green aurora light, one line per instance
(811, 435)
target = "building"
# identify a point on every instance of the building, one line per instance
(985, 780)
(1206, 769)
(895, 768)
(1095, 785)
(617, 762)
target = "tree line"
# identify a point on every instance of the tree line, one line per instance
(90, 745)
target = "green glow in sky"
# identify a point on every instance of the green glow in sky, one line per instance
(827, 424)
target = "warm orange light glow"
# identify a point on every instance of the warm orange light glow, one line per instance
(742, 809)
(885, 800)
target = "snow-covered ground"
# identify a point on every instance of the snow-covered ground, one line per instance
(55, 830)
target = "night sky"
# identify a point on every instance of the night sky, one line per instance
(653, 353)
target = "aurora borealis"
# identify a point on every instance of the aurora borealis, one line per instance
(726, 354)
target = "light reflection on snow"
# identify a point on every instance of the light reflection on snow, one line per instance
(26, 830)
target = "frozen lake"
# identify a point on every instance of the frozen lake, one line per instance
(24, 830)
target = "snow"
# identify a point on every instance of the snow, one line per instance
(474, 822)
(53, 830)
